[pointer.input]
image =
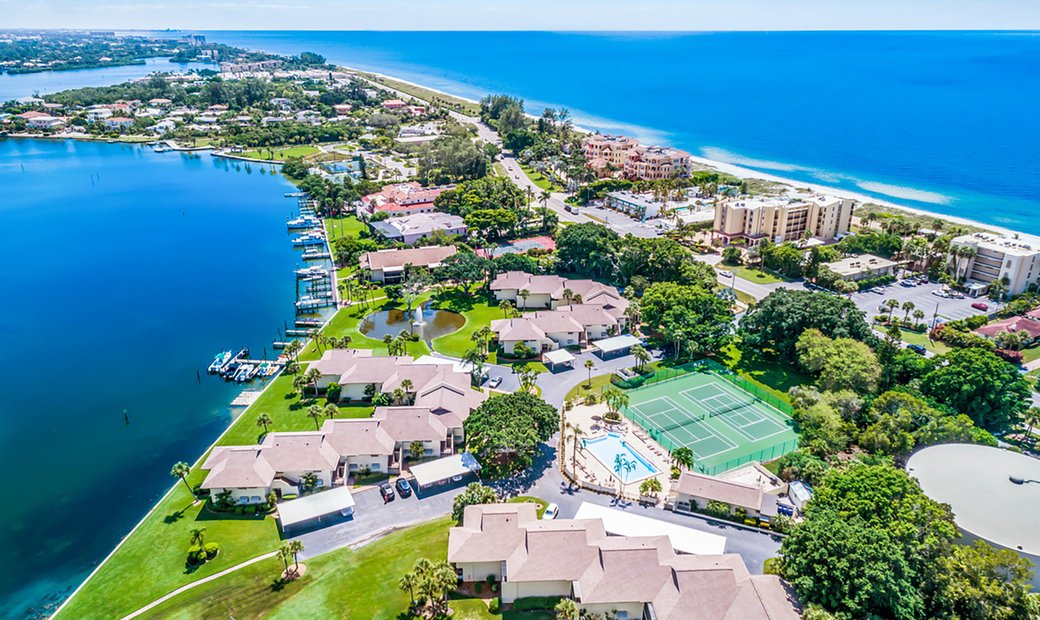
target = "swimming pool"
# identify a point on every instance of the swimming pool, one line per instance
(613, 452)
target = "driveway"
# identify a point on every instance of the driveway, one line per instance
(371, 517)
(923, 299)
(625, 225)
(555, 385)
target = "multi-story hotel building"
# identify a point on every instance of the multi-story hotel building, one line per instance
(612, 154)
(782, 219)
(995, 258)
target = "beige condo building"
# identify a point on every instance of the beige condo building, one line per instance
(782, 219)
(995, 258)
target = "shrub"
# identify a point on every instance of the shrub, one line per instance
(211, 549)
(495, 606)
(1015, 357)
(781, 524)
(535, 603)
(478, 587)
(196, 555)
(612, 416)
(771, 566)
(718, 509)
(490, 579)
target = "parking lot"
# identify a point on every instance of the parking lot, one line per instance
(923, 297)
(624, 225)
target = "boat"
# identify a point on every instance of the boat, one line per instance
(312, 238)
(245, 373)
(219, 362)
(264, 369)
(315, 271)
(303, 222)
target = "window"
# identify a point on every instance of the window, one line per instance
(375, 467)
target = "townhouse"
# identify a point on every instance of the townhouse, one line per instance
(389, 265)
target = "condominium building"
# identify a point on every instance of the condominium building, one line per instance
(782, 219)
(994, 257)
(612, 155)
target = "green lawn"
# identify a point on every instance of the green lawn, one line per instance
(346, 322)
(1031, 354)
(539, 179)
(583, 389)
(345, 226)
(478, 314)
(776, 377)
(279, 154)
(751, 274)
(935, 346)
(530, 499)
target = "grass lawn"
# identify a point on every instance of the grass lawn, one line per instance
(530, 499)
(478, 314)
(760, 276)
(776, 377)
(583, 389)
(935, 346)
(346, 226)
(539, 179)
(279, 154)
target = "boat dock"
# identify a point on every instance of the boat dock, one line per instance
(246, 398)
(300, 332)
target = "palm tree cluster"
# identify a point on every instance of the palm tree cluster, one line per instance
(291, 551)
(397, 345)
(616, 400)
(428, 585)
(331, 342)
(309, 378)
(575, 433)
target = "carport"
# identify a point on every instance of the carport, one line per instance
(615, 346)
(435, 475)
(559, 359)
(683, 539)
(305, 510)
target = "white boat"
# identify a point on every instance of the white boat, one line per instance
(311, 238)
(303, 222)
(245, 373)
(219, 362)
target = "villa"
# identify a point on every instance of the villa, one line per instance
(389, 265)
(408, 229)
(401, 199)
(621, 155)
(441, 400)
(530, 291)
(547, 330)
(628, 576)
(118, 123)
(695, 491)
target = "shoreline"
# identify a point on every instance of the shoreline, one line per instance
(743, 172)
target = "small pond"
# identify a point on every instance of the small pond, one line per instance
(435, 323)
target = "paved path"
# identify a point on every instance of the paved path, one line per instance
(195, 584)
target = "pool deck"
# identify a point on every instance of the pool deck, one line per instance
(591, 470)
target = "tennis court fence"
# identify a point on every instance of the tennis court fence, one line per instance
(705, 365)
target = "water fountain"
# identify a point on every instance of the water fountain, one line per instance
(426, 323)
(417, 317)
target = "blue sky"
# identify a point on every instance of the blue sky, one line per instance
(523, 14)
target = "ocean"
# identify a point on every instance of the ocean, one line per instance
(125, 272)
(943, 121)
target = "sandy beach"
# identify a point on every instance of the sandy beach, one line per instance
(748, 173)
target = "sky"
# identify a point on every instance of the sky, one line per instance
(524, 14)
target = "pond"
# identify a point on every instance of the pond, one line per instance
(435, 323)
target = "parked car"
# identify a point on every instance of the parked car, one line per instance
(725, 273)
(978, 305)
(551, 511)
(495, 382)
(387, 492)
(403, 488)
(907, 283)
(917, 348)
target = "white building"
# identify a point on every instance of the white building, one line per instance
(995, 258)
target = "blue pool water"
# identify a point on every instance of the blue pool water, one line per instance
(125, 271)
(606, 449)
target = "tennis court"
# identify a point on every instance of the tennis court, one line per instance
(723, 425)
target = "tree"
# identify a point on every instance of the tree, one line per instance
(330, 410)
(779, 320)
(979, 582)
(316, 413)
(263, 420)
(687, 315)
(589, 365)
(683, 457)
(840, 364)
(198, 536)
(576, 433)
(650, 487)
(587, 249)
(181, 470)
(416, 450)
(504, 432)
(641, 355)
(285, 555)
(294, 548)
(615, 399)
(567, 609)
(976, 382)
(474, 493)
(464, 268)
(432, 582)
(731, 255)
(408, 583)
(1031, 418)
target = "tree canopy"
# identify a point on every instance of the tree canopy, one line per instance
(780, 319)
(979, 384)
(689, 316)
(839, 363)
(587, 249)
(504, 432)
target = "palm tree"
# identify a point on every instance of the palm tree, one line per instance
(416, 450)
(568, 295)
(615, 398)
(567, 609)
(316, 413)
(285, 556)
(1032, 418)
(330, 410)
(406, 386)
(181, 470)
(524, 294)
(388, 340)
(263, 420)
(891, 304)
(544, 197)
(292, 349)
(641, 354)
(198, 536)
(407, 584)
(294, 548)
(918, 315)
(907, 307)
(683, 457)
(576, 434)
(589, 365)
(507, 307)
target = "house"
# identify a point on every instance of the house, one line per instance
(1029, 323)
(540, 332)
(160, 102)
(861, 267)
(98, 114)
(626, 576)
(118, 123)
(389, 265)
(549, 291)
(401, 199)
(408, 229)
(393, 104)
(162, 127)
(620, 155)
(342, 109)
(981, 258)
(46, 122)
(441, 398)
(694, 491)
(282, 103)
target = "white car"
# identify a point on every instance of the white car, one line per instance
(495, 382)
(725, 273)
(551, 511)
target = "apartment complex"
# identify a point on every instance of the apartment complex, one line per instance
(752, 219)
(994, 258)
(401, 199)
(389, 265)
(626, 576)
(620, 155)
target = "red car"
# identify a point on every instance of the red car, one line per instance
(978, 305)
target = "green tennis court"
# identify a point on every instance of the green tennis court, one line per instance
(723, 425)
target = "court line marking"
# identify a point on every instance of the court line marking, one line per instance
(687, 423)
